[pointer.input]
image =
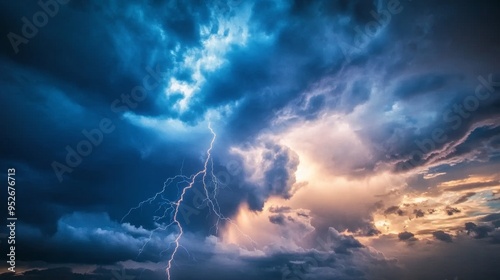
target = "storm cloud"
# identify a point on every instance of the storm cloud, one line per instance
(306, 139)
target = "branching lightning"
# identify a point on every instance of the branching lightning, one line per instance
(173, 207)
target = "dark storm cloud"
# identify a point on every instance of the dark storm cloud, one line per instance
(297, 62)
(103, 69)
(406, 236)
(66, 79)
(97, 274)
(42, 137)
(63, 81)
(80, 89)
(340, 256)
(394, 210)
(95, 237)
(442, 89)
(416, 139)
(89, 186)
(346, 244)
(478, 232)
(491, 217)
(443, 236)
(464, 134)
(278, 219)
(496, 223)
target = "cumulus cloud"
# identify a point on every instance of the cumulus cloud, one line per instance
(271, 171)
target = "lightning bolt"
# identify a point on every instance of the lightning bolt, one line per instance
(214, 203)
(174, 206)
(181, 198)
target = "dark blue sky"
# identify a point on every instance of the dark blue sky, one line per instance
(354, 139)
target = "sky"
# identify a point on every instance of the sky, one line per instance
(233, 139)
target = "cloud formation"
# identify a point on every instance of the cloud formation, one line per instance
(349, 133)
